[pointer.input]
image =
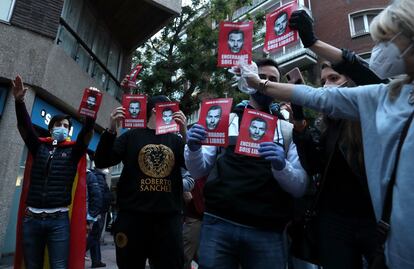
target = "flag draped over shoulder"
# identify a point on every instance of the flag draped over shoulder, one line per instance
(77, 214)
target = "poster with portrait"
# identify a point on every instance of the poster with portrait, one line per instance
(135, 111)
(278, 32)
(214, 116)
(164, 122)
(90, 103)
(130, 80)
(256, 127)
(235, 43)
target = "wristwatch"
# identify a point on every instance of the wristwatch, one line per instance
(262, 85)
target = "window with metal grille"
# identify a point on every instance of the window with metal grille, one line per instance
(360, 21)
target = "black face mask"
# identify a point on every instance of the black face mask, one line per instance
(262, 100)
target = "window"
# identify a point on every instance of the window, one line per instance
(88, 41)
(360, 21)
(6, 9)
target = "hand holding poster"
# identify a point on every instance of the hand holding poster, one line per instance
(278, 32)
(235, 43)
(214, 116)
(164, 122)
(130, 80)
(136, 111)
(90, 103)
(256, 127)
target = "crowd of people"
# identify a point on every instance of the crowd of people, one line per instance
(180, 201)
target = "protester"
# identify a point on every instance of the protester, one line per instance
(149, 191)
(248, 199)
(193, 216)
(344, 203)
(383, 111)
(96, 219)
(53, 167)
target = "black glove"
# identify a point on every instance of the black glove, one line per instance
(303, 23)
(297, 112)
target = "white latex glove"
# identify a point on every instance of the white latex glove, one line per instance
(247, 71)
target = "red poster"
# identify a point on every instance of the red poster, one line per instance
(235, 43)
(136, 111)
(164, 118)
(214, 116)
(256, 127)
(131, 79)
(91, 101)
(278, 32)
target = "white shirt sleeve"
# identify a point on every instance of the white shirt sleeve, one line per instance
(199, 163)
(293, 178)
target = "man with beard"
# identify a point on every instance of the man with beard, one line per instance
(248, 200)
(213, 117)
(235, 40)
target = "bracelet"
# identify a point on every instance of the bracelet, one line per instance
(263, 85)
(110, 131)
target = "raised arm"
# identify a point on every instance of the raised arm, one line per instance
(24, 123)
(344, 61)
(111, 150)
(83, 139)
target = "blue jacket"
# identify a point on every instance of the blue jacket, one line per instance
(94, 195)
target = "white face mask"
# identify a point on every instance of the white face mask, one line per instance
(285, 114)
(386, 59)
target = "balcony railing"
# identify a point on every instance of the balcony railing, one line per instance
(243, 10)
(88, 60)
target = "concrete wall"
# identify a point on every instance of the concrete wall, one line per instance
(11, 146)
(44, 65)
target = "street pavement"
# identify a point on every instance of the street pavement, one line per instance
(107, 250)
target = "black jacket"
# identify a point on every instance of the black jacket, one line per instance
(54, 166)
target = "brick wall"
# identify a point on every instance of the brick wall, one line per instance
(38, 16)
(332, 23)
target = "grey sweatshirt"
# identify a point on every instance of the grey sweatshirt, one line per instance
(382, 121)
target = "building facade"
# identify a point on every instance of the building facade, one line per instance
(342, 23)
(59, 48)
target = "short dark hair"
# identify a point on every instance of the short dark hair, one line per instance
(215, 107)
(284, 13)
(235, 31)
(58, 118)
(135, 101)
(167, 109)
(267, 62)
(152, 101)
(259, 120)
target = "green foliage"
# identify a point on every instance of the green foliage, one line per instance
(182, 59)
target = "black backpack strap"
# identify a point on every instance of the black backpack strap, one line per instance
(383, 226)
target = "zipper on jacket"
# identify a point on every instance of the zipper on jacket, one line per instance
(46, 174)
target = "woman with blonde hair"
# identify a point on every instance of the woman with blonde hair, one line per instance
(385, 113)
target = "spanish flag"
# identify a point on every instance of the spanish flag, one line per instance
(77, 215)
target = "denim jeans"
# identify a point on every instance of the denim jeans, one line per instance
(93, 242)
(41, 232)
(225, 245)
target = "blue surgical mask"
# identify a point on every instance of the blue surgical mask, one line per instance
(59, 133)
(386, 59)
(262, 100)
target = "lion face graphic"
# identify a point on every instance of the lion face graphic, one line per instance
(156, 160)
